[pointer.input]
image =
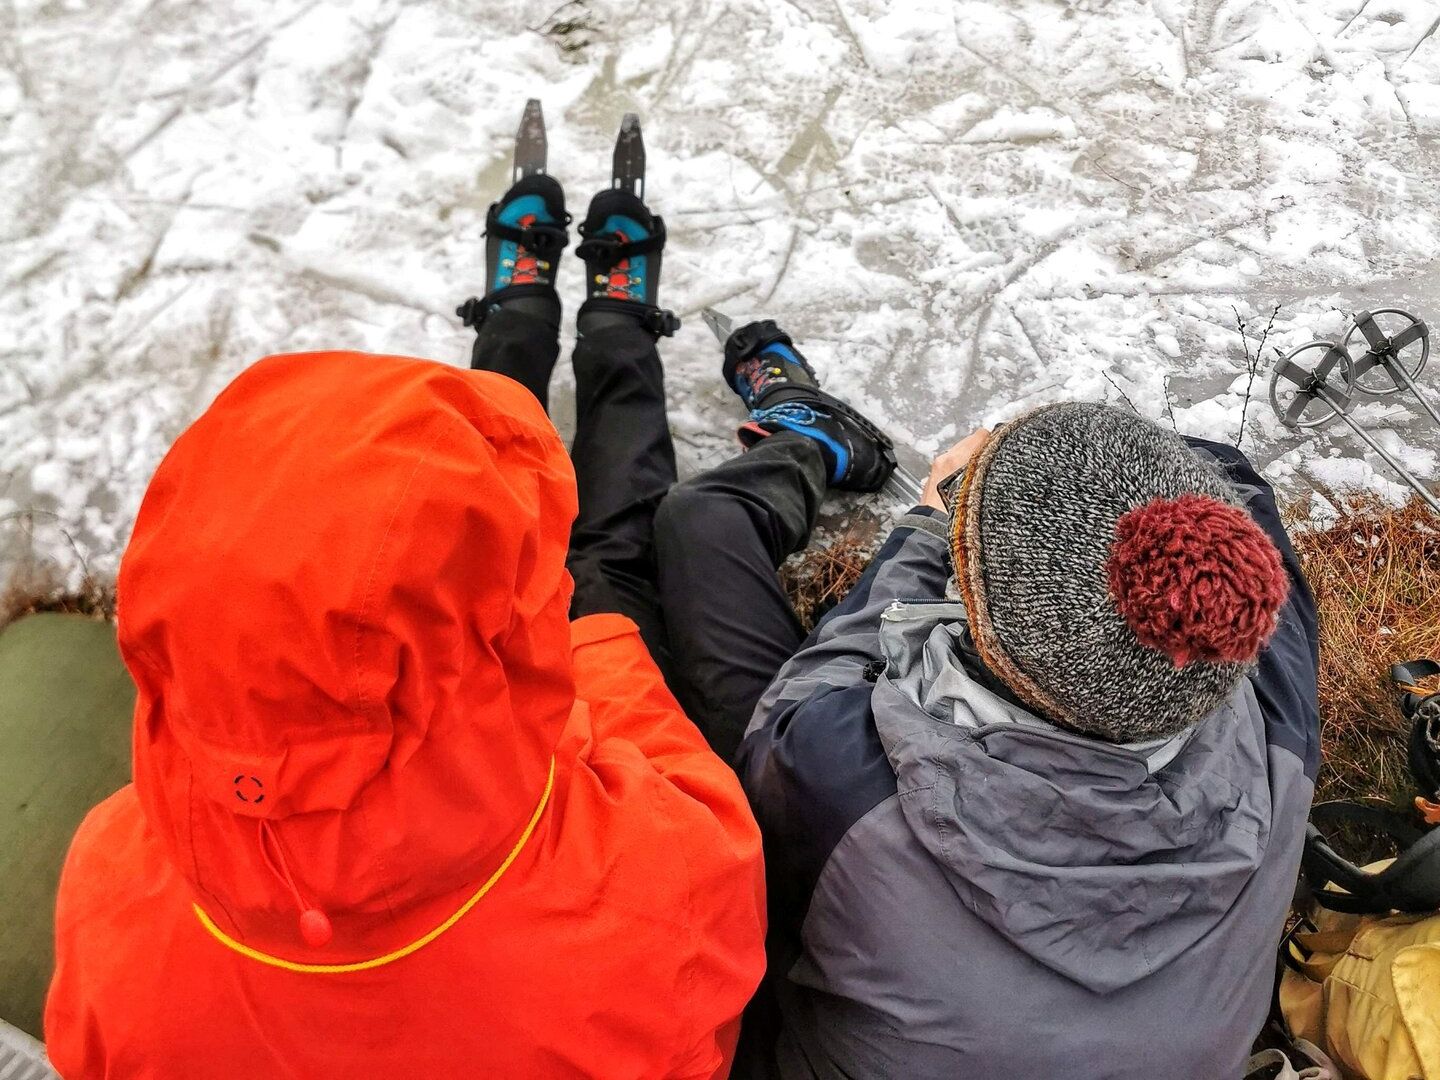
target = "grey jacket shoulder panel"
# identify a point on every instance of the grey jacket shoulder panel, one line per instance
(898, 977)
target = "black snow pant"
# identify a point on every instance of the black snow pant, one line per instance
(694, 564)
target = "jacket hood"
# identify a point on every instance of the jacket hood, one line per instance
(345, 607)
(1101, 862)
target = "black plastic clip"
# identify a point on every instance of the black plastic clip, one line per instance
(473, 311)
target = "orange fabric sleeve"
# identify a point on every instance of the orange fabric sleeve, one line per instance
(628, 699)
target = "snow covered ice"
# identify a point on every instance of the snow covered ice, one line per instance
(960, 209)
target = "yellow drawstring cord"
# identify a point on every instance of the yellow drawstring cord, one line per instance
(404, 951)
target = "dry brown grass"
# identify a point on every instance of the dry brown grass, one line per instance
(32, 590)
(1376, 578)
(35, 583)
(819, 577)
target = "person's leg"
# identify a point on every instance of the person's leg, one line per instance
(520, 345)
(719, 540)
(624, 459)
(624, 465)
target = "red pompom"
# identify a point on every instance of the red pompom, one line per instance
(315, 927)
(1196, 579)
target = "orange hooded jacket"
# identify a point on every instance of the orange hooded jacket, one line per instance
(393, 814)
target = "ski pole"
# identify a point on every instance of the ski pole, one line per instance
(1397, 370)
(1324, 395)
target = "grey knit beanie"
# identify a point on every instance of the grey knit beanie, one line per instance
(1112, 580)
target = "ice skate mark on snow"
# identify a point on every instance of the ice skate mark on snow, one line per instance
(811, 138)
(357, 87)
(1167, 18)
(784, 265)
(1423, 38)
(1040, 359)
(682, 35)
(176, 111)
(1095, 161)
(798, 204)
(848, 31)
(21, 274)
(1395, 90)
(663, 79)
(260, 42)
(1054, 102)
(131, 280)
(715, 299)
(1288, 8)
(135, 277)
(1358, 12)
(134, 331)
(169, 117)
(1153, 261)
(778, 183)
(366, 286)
(11, 365)
(984, 305)
(13, 52)
(951, 216)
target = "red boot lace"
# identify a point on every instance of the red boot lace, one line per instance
(527, 266)
(618, 285)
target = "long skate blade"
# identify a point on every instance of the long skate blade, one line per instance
(904, 485)
(720, 325)
(628, 168)
(530, 143)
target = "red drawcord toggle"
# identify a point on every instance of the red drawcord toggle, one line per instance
(315, 926)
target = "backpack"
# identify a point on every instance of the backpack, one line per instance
(1361, 967)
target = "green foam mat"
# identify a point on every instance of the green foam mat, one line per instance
(65, 708)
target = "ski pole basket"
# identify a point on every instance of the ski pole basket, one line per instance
(1322, 381)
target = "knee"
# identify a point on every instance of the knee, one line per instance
(689, 515)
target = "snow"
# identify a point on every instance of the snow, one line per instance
(961, 209)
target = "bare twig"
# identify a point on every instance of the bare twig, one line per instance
(1169, 405)
(1252, 363)
(1121, 392)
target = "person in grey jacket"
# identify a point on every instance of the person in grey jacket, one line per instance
(1034, 794)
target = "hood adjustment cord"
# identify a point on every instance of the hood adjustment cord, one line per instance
(396, 954)
(315, 926)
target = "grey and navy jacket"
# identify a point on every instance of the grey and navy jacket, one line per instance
(960, 889)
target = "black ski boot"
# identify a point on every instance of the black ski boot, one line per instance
(781, 391)
(524, 234)
(621, 243)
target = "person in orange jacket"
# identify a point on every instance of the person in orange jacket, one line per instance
(394, 812)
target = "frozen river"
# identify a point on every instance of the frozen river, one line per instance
(961, 209)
